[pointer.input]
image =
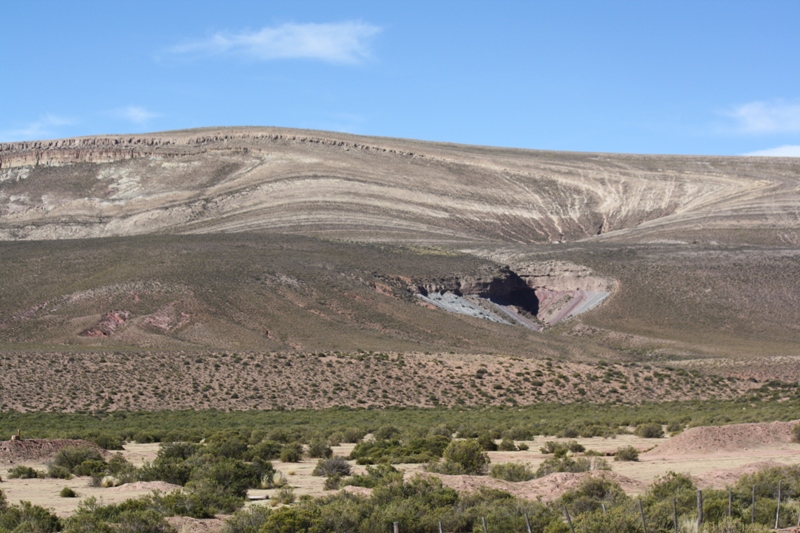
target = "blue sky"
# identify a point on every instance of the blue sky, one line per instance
(684, 77)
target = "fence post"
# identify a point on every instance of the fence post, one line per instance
(753, 507)
(730, 501)
(604, 509)
(483, 519)
(699, 508)
(569, 520)
(778, 511)
(641, 512)
(440, 528)
(396, 527)
(528, 523)
(675, 513)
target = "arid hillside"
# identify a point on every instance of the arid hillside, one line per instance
(277, 240)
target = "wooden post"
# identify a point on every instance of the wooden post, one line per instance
(485, 530)
(528, 523)
(730, 501)
(699, 508)
(569, 520)
(753, 507)
(440, 528)
(778, 511)
(396, 527)
(675, 513)
(641, 511)
(604, 509)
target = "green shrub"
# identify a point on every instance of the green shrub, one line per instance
(229, 444)
(73, 457)
(560, 449)
(796, 432)
(29, 518)
(353, 435)
(292, 453)
(592, 494)
(319, 449)
(24, 472)
(375, 476)
(107, 441)
(512, 471)
(58, 472)
(284, 495)
(626, 453)
(266, 450)
(334, 466)
(552, 465)
(650, 431)
(249, 520)
(3, 501)
(146, 521)
(67, 492)
(487, 442)
(507, 445)
(386, 432)
(468, 454)
(90, 467)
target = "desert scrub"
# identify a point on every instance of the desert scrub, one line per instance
(334, 466)
(285, 495)
(512, 472)
(292, 453)
(650, 431)
(626, 453)
(796, 432)
(249, 520)
(319, 449)
(467, 454)
(555, 464)
(73, 458)
(375, 476)
(24, 472)
(561, 448)
(67, 492)
(507, 445)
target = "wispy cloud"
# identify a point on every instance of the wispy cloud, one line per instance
(788, 150)
(342, 42)
(136, 114)
(46, 126)
(766, 117)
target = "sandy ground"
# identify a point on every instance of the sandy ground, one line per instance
(712, 468)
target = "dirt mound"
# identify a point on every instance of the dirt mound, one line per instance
(36, 450)
(725, 439)
(547, 488)
(145, 485)
(725, 477)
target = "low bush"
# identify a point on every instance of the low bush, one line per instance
(375, 476)
(626, 453)
(284, 495)
(552, 465)
(319, 449)
(512, 472)
(796, 432)
(650, 431)
(334, 466)
(58, 472)
(73, 457)
(249, 520)
(468, 454)
(561, 448)
(507, 445)
(67, 492)
(24, 472)
(292, 453)
(487, 442)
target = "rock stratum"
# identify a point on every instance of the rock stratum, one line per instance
(380, 189)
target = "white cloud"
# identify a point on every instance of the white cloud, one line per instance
(136, 114)
(787, 150)
(45, 126)
(343, 42)
(766, 117)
